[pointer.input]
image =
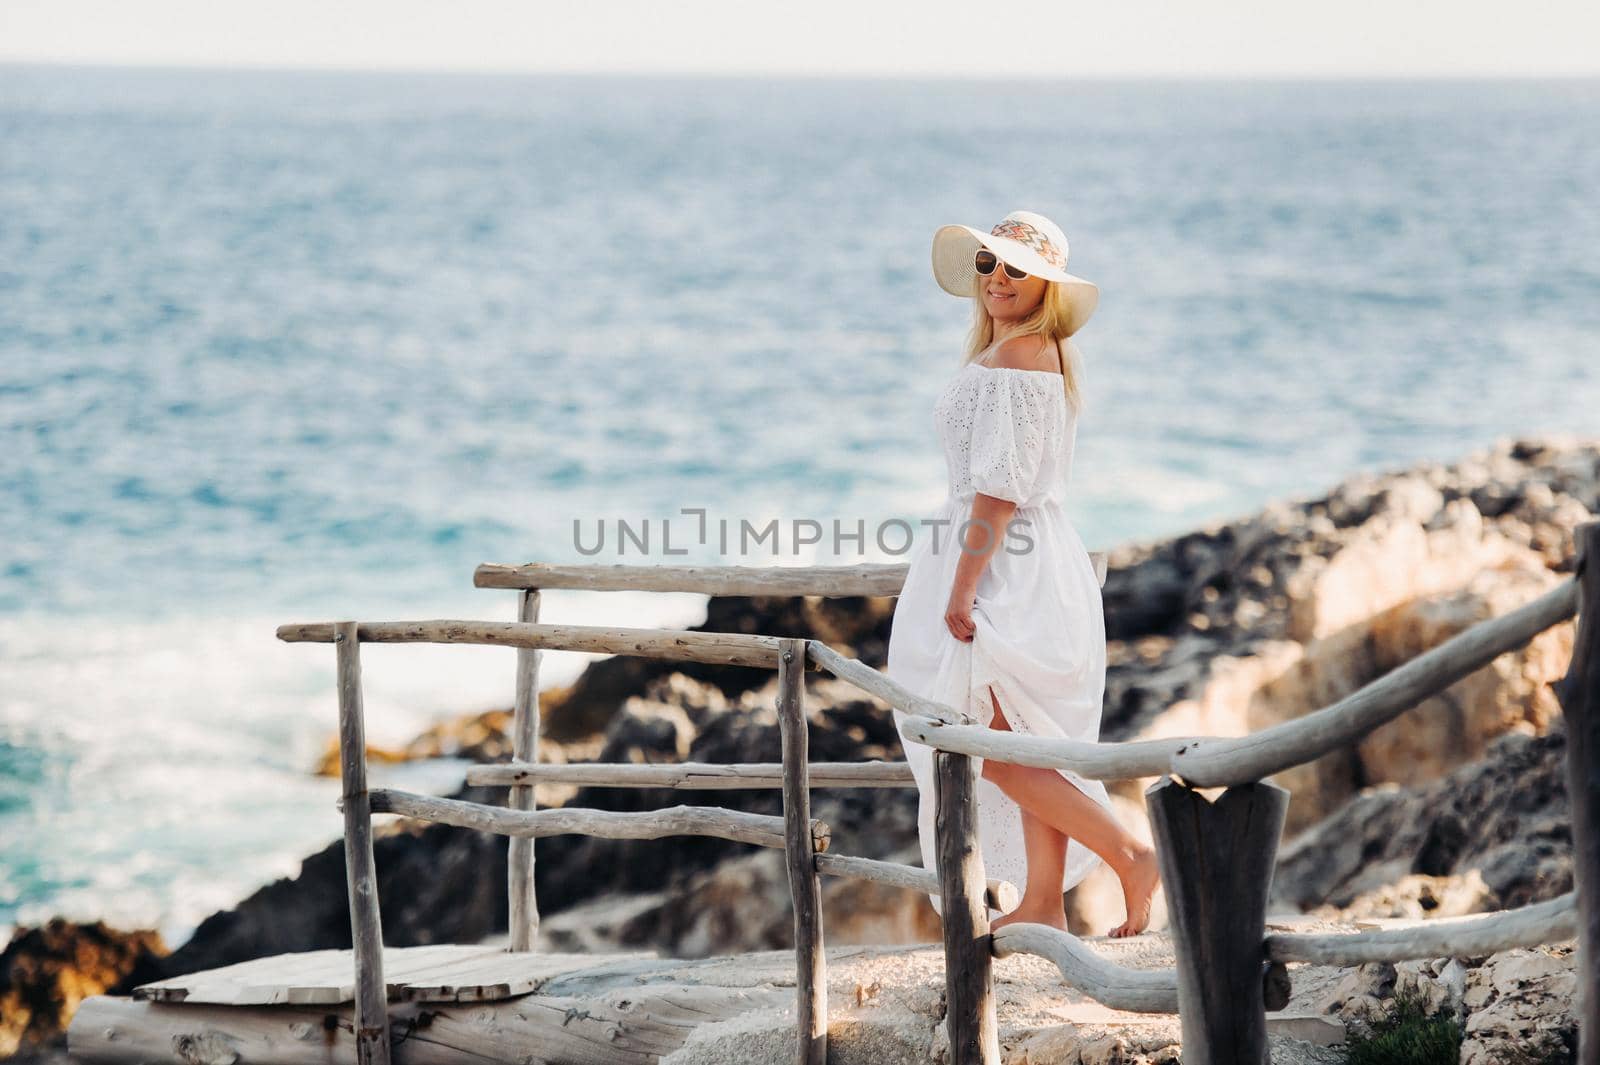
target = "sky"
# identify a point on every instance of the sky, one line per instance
(892, 38)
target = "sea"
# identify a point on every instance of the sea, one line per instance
(296, 346)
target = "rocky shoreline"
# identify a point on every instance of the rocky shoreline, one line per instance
(1457, 807)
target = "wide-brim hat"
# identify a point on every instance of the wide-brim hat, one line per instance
(1026, 240)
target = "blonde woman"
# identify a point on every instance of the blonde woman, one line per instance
(1001, 612)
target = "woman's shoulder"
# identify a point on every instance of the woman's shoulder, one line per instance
(1032, 352)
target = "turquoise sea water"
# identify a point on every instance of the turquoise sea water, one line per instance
(293, 347)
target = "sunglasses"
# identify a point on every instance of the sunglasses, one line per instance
(985, 261)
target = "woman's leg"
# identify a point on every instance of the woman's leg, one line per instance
(1062, 806)
(1046, 848)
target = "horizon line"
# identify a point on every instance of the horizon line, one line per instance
(793, 74)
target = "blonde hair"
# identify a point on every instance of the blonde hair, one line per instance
(1049, 320)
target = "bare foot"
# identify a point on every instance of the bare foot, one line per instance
(1045, 914)
(1139, 883)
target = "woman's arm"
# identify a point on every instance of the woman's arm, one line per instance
(986, 528)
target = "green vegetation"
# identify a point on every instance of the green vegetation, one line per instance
(1408, 1035)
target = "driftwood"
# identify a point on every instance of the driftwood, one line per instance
(1208, 762)
(1216, 863)
(1098, 761)
(361, 871)
(1117, 986)
(968, 955)
(1579, 692)
(805, 888)
(1000, 895)
(678, 645)
(692, 776)
(1479, 934)
(524, 902)
(761, 830)
(873, 682)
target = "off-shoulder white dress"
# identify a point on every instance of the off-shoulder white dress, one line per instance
(1040, 638)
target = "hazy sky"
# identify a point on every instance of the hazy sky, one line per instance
(857, 37)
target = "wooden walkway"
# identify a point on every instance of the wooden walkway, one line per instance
(413, 974)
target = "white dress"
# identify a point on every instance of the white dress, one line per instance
(1040, 638)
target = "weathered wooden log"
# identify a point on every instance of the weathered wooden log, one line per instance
(678, 645)
(1216, 862)
(1000, 895)
(1550, 921)
(694, 776)
(1098, 761)
(1209, 762)
(873, 682)
(361, 870)
(524, 902)
(866, 579)
(622, 1025)
(970, 1017)
(1579, 692)
(1117, 986)
(805, 888)
(762, 830)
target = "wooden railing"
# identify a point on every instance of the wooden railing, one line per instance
(1216, 856)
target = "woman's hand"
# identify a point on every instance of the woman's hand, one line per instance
(958, 613)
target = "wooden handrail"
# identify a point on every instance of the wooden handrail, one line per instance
(720, 648)
(760, 829)
(861, 579)
(692, 776)
(1479, 934)
(865, 579)
(1117, 986)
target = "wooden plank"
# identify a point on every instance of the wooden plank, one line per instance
(676, 645)
(709, 776)
(1216, 863)
(805, 887)
(437, 972)
(524, 903)
(366, 932)
(970, 1018)
(1579, 692)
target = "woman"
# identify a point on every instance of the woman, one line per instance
(1000, 613)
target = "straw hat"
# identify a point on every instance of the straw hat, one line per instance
(1024, 239)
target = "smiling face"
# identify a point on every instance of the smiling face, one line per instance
(1008, 300)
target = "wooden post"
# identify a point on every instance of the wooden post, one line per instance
(524, 901)
(968, 946)
(361, 871)
(1216, 862)
(805, 885)
(1579, 692)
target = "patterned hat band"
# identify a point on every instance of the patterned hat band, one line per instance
(1024, 233)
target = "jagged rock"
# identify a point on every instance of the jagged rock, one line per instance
(46, 971)
(1522, 1000)
(1504, 816)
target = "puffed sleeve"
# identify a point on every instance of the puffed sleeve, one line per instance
(1010, 431)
